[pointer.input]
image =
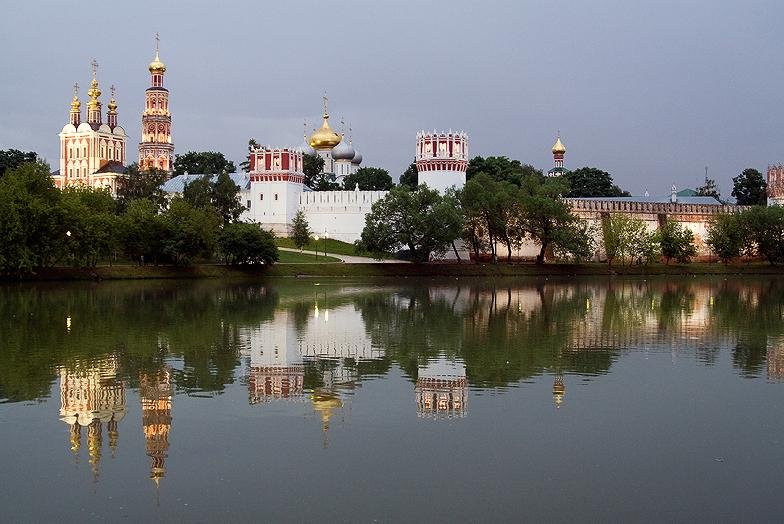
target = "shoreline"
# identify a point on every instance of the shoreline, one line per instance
(338, 270)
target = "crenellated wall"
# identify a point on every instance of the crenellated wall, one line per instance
(340, 213)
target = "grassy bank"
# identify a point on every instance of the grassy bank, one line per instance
(333, 246)
(397, 270)
(293, 257)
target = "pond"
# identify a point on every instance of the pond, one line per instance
(406, 400)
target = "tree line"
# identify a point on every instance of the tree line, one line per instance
(42, 226)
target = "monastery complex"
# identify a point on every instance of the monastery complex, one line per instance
(94, 153)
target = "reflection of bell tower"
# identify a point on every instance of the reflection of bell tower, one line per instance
(156, 395)
(558, 389)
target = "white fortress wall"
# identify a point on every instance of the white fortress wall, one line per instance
(341, 214)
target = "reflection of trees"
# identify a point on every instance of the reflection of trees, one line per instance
(142, 322)
(503, 332)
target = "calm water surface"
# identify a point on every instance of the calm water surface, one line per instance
(403, 401)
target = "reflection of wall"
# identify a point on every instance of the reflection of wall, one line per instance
(776, 359)
(276, 369)
(441, 389)
(90, 398)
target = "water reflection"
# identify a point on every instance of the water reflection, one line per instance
(317, 345)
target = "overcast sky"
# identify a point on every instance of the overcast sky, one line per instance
(651, 91)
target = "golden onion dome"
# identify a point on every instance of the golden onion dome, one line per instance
(75, 104)
(324, 138)
(156, 66)
(112, 105)
(558, 147)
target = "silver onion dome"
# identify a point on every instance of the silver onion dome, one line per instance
(343, 151)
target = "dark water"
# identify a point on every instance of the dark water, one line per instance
(475, 400)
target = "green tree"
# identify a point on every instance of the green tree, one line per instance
(242, 243)
(198, 193)
(31, 226)
(13, 158)
(146, 184)
(726, 236)
(89, 215)
(423, 221)
(300, 230)
(410, 177)
(312, 166)
(546, 218)
(217, 192)
(676, 242)
(501, 168)
(245, 164)
(191, 231)
(709, 188)
(202, 163)
(369, 179)
(143, 231)
(591, 182)
(627, 237)
(225, 198)
(749, 188)
(764, 228)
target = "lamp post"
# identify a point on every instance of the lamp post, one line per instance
(325, 242)
(317, 239)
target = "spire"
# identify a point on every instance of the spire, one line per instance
(111, 114)
(157, 67)
(94, 104)
(76, 107)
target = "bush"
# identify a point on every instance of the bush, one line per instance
(726, 236)
(676, 242)
(241, 243)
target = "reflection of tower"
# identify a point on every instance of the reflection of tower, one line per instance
(441, 389)
(325, 402)
(89, 398)
(558, 389)
(776, 359)
(276, 369)
(156, 395)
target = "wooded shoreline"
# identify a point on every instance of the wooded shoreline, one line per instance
(339, 270)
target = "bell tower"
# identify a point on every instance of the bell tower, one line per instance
(156, 149)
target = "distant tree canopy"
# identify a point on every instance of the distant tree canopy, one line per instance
(501, 168)
(709, 188)
(12, 158)
(591, 182)
(245, 164)
(136, 184)
(221, 194)
(749, 188)
(315, 178)
(369, 179)
(202, 163)
(410, 177)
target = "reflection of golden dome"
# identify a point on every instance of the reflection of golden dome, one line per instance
(558, 147)
(324, 138)
(156, 66)
(324, 404)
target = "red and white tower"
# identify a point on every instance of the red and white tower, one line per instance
(442, 159)
(156, 149)
(559, 150)
(776, 185)
(276, 181)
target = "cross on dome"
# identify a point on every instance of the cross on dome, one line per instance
(76, 89)
(94, 65)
